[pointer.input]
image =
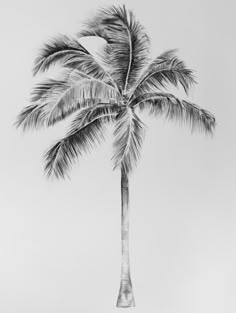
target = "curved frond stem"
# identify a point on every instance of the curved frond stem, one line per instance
(163, 70)
(127, 44)
(54, 100)
(130, 59)
(38, 63)
(92, 121)
(60, 49)
(106, 73)
(70, 53)
(149, 76)
(80, 83)
(175, 109)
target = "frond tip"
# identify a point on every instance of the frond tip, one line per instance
(30, 117)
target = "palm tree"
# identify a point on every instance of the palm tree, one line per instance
(109, 88)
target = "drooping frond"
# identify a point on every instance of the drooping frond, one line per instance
(69, 53)
(60, 49)
(127, 48)
(175, 109)
(87, 92)
(34, 116)
(164, 70)
(55, 100)
(129, 135)
(87, 130)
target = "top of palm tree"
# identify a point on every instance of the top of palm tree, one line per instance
(109, 88)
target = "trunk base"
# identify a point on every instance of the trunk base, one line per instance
(125, 298)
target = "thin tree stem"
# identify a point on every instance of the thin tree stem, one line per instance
(125, 297)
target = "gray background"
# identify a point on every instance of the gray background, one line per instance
(60, 242)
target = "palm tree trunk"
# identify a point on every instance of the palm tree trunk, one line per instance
(125, 297)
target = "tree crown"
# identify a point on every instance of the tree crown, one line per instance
(109, 88)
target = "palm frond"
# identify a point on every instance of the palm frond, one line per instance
(87, 92)
(127, 48)
(60, 49)
(175, 109)
(34, 116)
(87, 130)
(43, 89)
(107, 111)
(69, 53)
(162, 71)
(129, 135)
(55, 100)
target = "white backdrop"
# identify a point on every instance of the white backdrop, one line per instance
(60, 241)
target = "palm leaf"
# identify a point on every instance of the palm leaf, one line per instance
(87, 92)
(69, 53)
(127, 48)
(55, 100)
(43, 89)
(60, 49)
(87, 130)
(129, 135)
(164, 70)
(175, 109)
(105, 110)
